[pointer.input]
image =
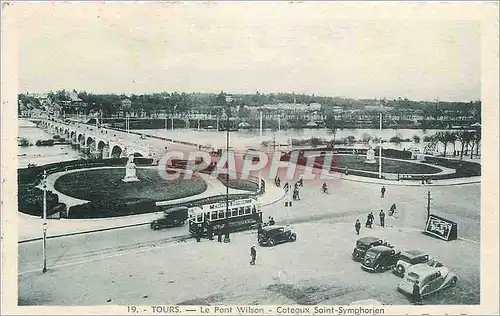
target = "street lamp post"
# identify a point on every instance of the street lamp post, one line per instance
(173, 114)
(226, 237)
(428, 204)
(260, 140)
(44, 223)
(380, 150)
(288, 205)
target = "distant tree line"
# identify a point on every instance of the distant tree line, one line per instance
(182, 102)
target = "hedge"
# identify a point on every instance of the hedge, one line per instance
(30, 198)
(386, 152)
(462, 168)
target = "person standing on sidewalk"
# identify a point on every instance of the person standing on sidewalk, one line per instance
(382, 218)
(382, 191)
(253, 255)
(357, 226)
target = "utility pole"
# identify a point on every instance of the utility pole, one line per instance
(428, 204)
(44, 223)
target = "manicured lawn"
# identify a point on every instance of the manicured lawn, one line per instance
(388, 166)
(107, 184)
(239, 184)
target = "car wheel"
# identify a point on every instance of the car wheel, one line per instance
(271, 242)
(156, 227)
(400, 270)
(293, 237)
(379, 268)
(453, 282)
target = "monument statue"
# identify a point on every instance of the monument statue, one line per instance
(130, 171)
(370, 154)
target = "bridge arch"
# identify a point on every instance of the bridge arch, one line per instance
(116, 152)
(81, 138)
(100, 145)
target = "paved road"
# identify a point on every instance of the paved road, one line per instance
(315, 269)
(346, 202)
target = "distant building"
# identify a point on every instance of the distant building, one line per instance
(126, 104)
(72, 105)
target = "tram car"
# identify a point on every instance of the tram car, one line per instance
(209, 219)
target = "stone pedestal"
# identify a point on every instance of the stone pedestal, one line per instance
(130, 171)
(370, 156)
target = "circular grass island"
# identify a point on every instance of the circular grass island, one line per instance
(355, 162)
(107, 185)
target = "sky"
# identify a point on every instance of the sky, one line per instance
(244, 48)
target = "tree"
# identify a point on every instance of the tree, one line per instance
(351, 139)
(416, 139)
(477, 138)
(465, 137)
(428, 139)
(366, 138)
(445, 138)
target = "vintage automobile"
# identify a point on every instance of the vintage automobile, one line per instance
(174, 216)
(272, 235)
(430, 278)
(363, 244)
(407, 259)
(379, 259)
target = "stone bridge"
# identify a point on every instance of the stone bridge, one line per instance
(113, 143)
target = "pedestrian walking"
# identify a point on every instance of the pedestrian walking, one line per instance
(381, 215)
(286, 186)
(271, 221)
(219, 235)
(371, 218)
(253, 255)
(277, 181)
(382, 191)
(417, 297)
(392, 209)
(296, 194)
(357, 226)
(368, 223)
(325, 188)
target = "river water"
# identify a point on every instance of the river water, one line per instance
(239, 140)
(251, 139)
(41, 155)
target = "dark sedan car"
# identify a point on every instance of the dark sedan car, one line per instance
(272, 235)
(379, 259)
(363, 244)
(175, 216)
